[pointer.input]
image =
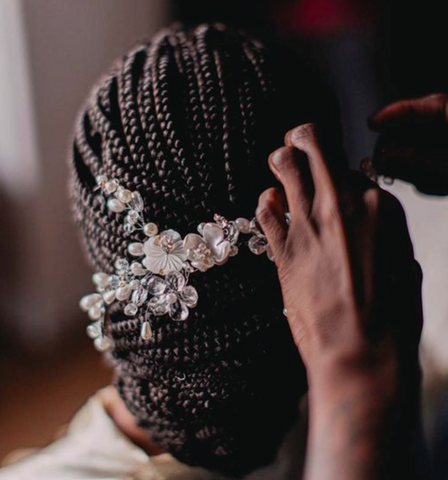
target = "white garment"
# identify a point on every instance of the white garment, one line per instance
(94, 448)
(428, 224)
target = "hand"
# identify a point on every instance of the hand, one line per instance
(349, 280)
(413, 142)
(351, 287)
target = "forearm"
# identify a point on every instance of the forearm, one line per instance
(361, 427)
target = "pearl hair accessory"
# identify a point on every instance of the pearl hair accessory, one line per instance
(157, 272)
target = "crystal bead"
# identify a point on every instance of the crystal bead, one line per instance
(94, 330)
(178, 311)
(176, 281)
(124, 196)
(269, 253)
(123, 293)
(139, 296)
(100, 279)
(136, 202)
(243, 225)
(129, 228)
(288, 218)
(89, 301)
(285, 312)
(114, 281)
(171, 297)
(255, 227)
(132, 217)
(258, 245)
(146, 331)
(136, 249)
(109, 297)
(156, 285)
(121, 265)
(138, 269)
(150, 229)
(101, 180)
(233, 251)
(102, 343)
(131, 309)
(231, 232)
(189, 295)
(116, 206)
(95, 312)
(159, 305)
(111, 187)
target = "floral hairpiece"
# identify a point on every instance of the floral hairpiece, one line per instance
(159, 272)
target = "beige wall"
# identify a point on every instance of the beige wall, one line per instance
(55, 49)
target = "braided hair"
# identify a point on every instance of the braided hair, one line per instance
(188, 120)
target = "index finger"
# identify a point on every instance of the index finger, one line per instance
(432, 108)
(305, 138)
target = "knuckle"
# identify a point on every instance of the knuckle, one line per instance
(372, 198)
(436, 97)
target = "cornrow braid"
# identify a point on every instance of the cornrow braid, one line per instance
(188, 120)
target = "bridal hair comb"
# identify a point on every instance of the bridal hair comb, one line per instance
(157, 272)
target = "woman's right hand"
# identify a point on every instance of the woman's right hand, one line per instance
(413, 142)
(349, 280)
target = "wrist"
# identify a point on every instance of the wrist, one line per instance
(336, 375)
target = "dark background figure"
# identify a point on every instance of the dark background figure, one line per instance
(370, 52)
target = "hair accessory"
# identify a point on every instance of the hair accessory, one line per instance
(157, 272)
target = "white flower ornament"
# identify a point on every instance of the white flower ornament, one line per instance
(164, 253)
(159, 279)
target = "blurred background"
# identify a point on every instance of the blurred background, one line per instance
(51, 51)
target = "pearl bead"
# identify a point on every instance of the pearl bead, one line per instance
(94, 330)
(171, 298)
(100, 279)
(131, 309)
(123, 293)
(102, 344)
(109, 297)
(111, 187)
(124, 196)
(150, 229)
(134, 284)
(101, 180)
(146, 332)
(138, 269)
(243, 225)
(89, 301)
(95, 312)
(135, 249)
(116, 206)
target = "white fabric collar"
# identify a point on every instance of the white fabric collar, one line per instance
(94, 448)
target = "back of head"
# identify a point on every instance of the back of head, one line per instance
(188, 120)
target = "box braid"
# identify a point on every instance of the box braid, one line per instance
(188, 119)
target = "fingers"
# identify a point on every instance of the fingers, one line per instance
(305, 139)
(271, 215)
(432, 109)
(291, 168)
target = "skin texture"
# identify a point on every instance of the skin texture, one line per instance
(413, 142)
(352, 290)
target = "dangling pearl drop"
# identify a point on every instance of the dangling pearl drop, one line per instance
(146, 331)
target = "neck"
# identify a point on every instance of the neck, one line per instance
(124, 420)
